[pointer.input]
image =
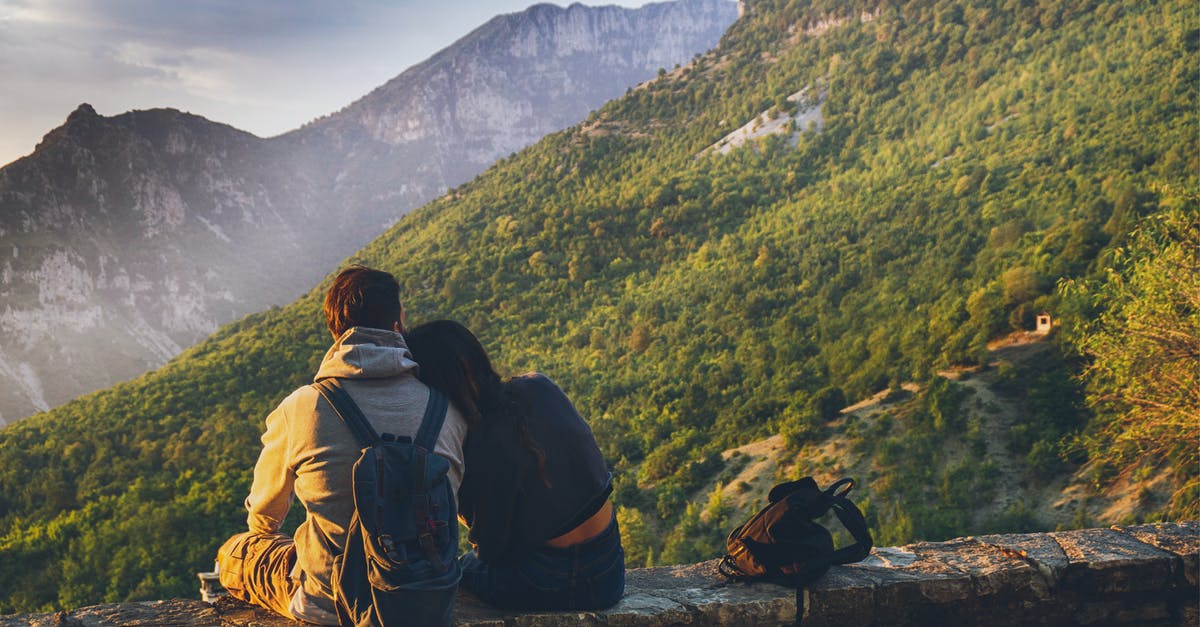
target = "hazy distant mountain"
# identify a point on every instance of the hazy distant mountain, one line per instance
(125, 239)
(500, 88)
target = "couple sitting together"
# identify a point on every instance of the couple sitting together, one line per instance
(530, 481)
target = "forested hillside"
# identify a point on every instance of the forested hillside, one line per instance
(971, 158)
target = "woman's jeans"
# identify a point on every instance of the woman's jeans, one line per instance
(587, 576)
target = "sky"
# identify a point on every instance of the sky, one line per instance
(263, 66)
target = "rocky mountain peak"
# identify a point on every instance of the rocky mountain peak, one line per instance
(80, 123)
(84, 110)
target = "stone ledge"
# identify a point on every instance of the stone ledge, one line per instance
(1129, 575)
(1137, 575)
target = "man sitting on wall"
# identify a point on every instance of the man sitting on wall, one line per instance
(308, 453)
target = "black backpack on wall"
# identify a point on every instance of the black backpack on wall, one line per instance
(784, 544)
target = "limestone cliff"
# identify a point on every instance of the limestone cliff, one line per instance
(125, 239)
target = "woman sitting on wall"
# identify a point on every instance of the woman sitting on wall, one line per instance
(536, 490)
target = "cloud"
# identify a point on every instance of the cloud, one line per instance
(265, 66)
(11, 11)
(232, 24)
(197, 71)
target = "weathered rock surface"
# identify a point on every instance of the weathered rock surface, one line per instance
(1139, 575)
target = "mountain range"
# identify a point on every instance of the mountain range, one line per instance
(128, 238)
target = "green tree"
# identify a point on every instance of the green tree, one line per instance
(1144, 378)
(827, 402)
(637, 537)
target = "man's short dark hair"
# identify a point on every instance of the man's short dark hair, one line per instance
(362, 297)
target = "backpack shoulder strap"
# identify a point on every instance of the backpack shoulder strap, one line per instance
(332, 391)
(432, 421)
(426, 440)
(854, 522)
(852, 519)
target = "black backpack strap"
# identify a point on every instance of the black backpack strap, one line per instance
(431, 423)
(854, 522)
(346, 409)
(841, 487)
(426, 440)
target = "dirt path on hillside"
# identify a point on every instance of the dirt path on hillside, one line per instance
(760, 465)
(997, 415)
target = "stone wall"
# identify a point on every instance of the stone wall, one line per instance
(1135, 575)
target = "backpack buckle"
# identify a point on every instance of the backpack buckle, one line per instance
(389, 548)
(429, 547)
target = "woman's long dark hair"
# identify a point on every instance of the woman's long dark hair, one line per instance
(453, 361)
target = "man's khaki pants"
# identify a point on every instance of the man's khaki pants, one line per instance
(256, 568)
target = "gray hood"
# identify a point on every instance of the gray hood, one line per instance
(366, 353)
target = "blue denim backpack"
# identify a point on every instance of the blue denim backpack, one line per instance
(399, 565)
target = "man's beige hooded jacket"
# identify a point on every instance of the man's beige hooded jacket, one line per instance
(308, 452)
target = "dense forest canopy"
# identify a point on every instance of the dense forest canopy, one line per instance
(972, 157)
